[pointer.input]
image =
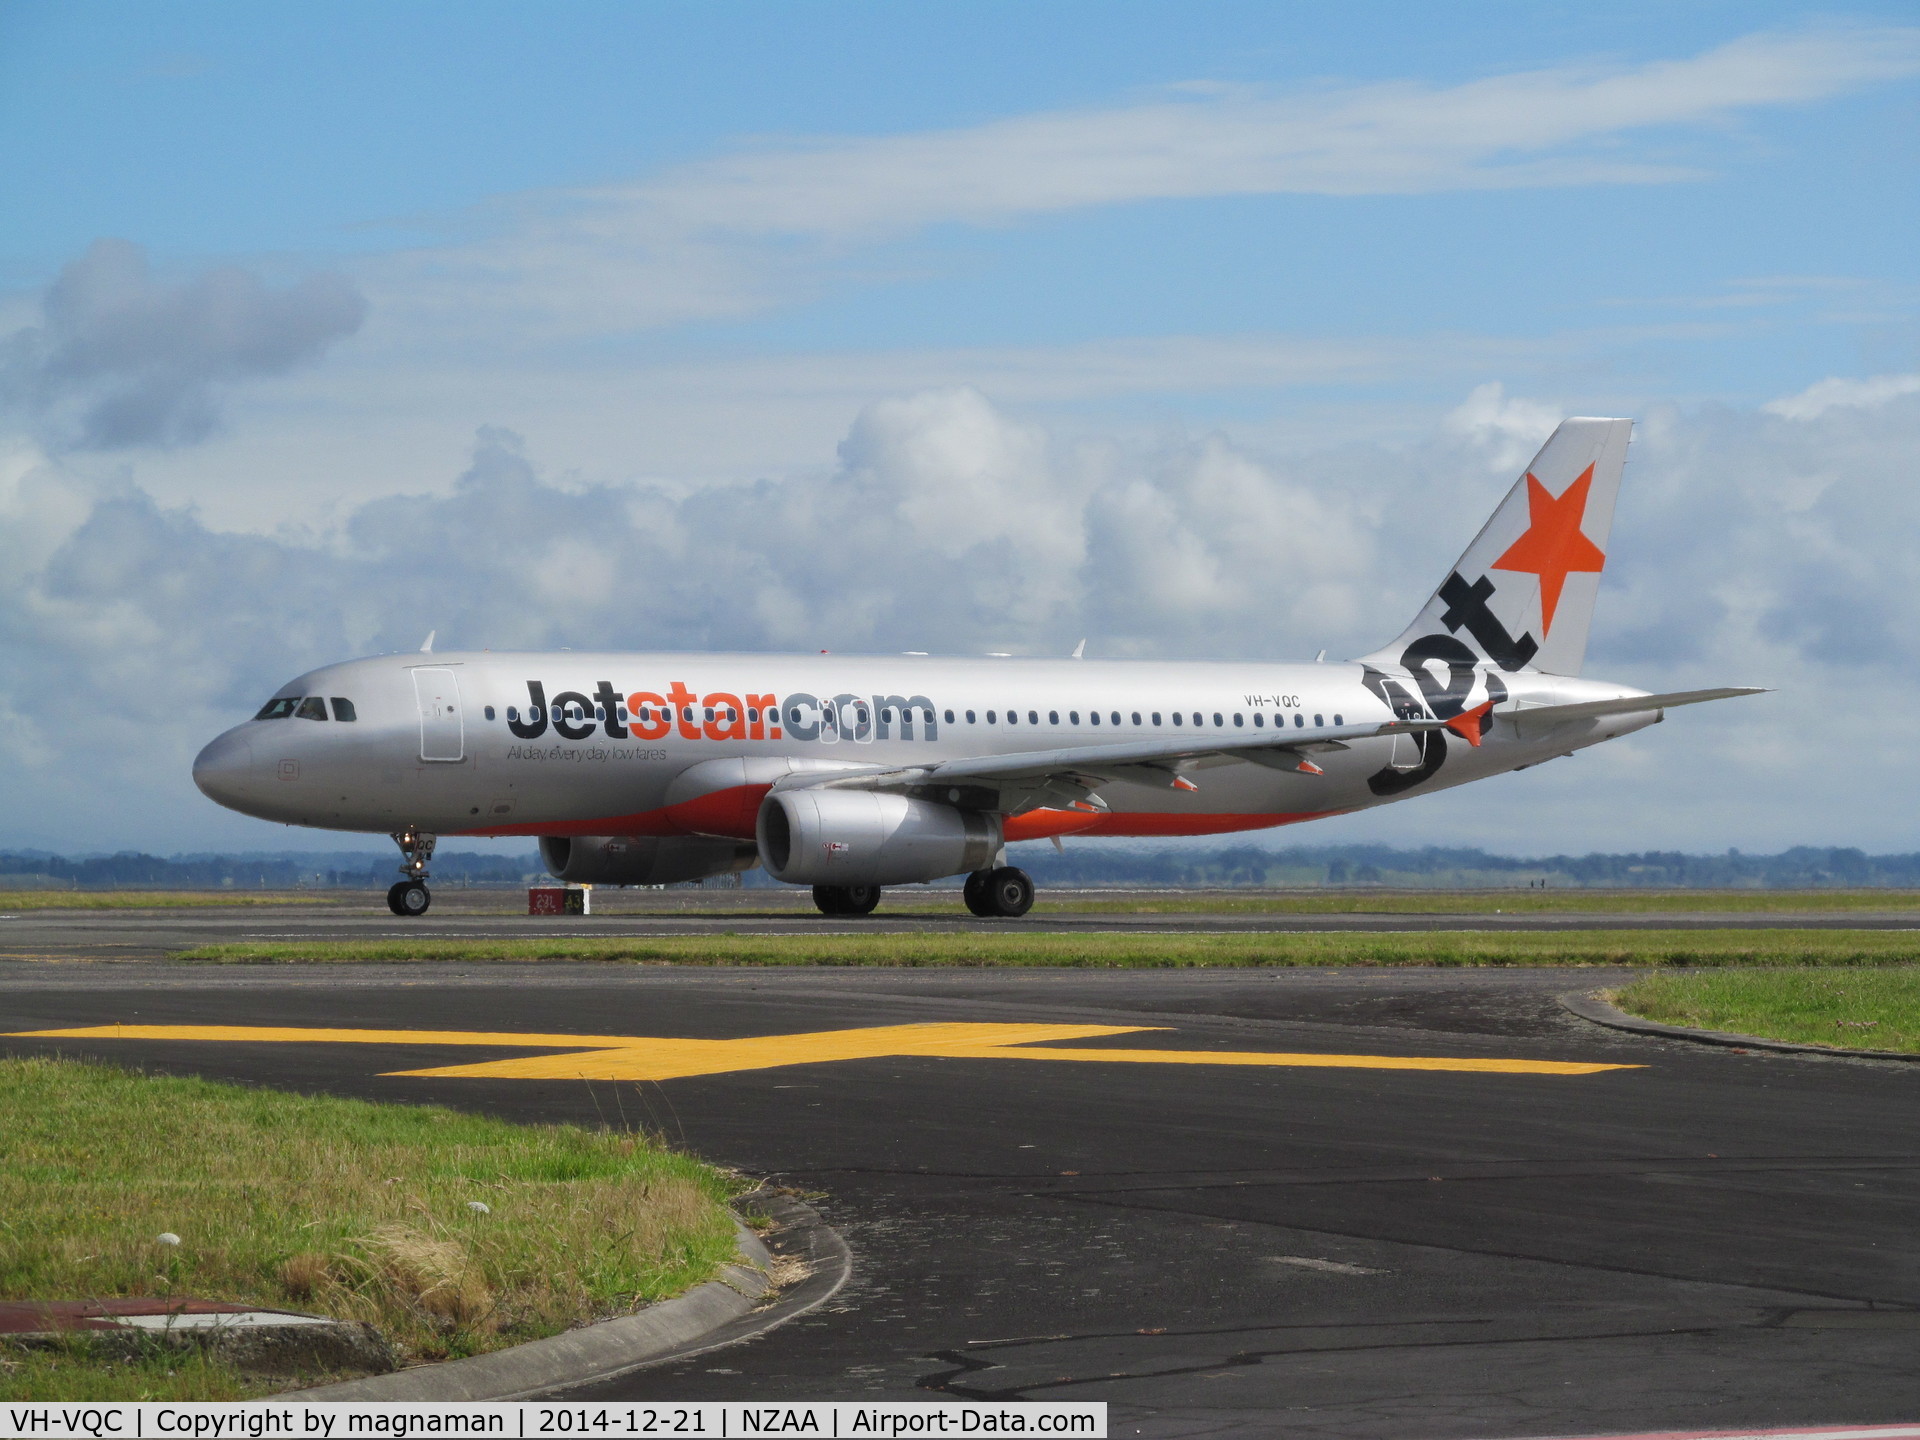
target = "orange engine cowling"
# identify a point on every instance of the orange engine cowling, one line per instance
(856, 837)
(641, 859)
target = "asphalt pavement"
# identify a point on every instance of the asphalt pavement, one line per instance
(497, 914)
(1291, 1234)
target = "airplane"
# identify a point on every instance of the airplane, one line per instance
(850, 773)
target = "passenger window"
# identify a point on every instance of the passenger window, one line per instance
(1239, 719)
(950, 717)
(1033, 717)
(1053, 717)
(489, 712)
(1299, 722)
(513, 714)
(1318, 722)
(1115, 717)
(312, 708)
(1073, 716)
(1259, 721)
(1156, 717)
(1136, 717)
(1176, 717)
(342, 708)
(1338, 721)
(1216, 718)
(1093, 717)
(1013, 717)
(600, 713)
(278, 709)
(990, 717)
(970, 719)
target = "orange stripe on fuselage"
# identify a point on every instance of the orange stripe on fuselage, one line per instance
(731, 813)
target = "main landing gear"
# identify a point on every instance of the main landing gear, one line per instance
(846, 899)
(1005, 892)
(410, 896)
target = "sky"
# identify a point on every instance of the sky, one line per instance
(1207, 330)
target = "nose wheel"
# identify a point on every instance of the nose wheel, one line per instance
(1004, 893)
(409, 897)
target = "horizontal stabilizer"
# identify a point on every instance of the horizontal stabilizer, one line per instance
(1624, 705)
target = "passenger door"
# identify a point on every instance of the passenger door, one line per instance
(442, 733)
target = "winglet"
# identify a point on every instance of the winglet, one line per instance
(1080, 650)
(426, 645)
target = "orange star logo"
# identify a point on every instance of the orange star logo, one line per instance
(1554, 545)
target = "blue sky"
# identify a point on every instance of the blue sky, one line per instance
(1356, 258)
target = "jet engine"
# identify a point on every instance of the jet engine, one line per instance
(641, 860)
(856, 837)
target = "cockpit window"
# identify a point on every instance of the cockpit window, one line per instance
(278, 709)
(312, 708)
(343, 708)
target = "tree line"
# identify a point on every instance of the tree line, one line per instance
(1802, 867)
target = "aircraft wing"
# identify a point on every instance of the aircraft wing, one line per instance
(1068, 776)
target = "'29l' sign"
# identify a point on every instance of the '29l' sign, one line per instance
(722, 715)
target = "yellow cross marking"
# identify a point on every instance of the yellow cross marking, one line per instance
(643, 1057)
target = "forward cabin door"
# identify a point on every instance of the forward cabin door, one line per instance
(442, 733)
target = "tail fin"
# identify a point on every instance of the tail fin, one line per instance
(1522, 595)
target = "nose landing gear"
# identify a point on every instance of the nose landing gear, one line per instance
(410, 896)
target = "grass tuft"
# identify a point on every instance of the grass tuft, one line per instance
(342, 1207)
(1018, 947)
(22, 900)
(1866, 1010)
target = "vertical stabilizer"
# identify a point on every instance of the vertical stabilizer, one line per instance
(1522, 595)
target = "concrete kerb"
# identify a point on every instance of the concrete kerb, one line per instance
(721, 1312)
(1589, 1005)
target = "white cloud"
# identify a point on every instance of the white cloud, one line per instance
(1840, 393)
(1744, 553)
(717, 238)
(124, 358)
(1510, 429)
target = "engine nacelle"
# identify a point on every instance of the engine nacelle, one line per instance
(642, 859)
(856, 837)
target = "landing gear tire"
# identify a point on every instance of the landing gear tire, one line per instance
(1005, 893)
(409, 897)
(846, 899)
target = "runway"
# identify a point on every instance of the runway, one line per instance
(1259, 1221)
(494, 914)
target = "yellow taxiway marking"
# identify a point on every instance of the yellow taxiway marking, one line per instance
(644, 1057)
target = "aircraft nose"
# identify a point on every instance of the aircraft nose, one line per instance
(224, 770)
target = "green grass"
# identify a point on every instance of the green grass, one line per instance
(339, 1207)
(1487, 902)
(1857, 1010)
(1132, 951)
(16, 901)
